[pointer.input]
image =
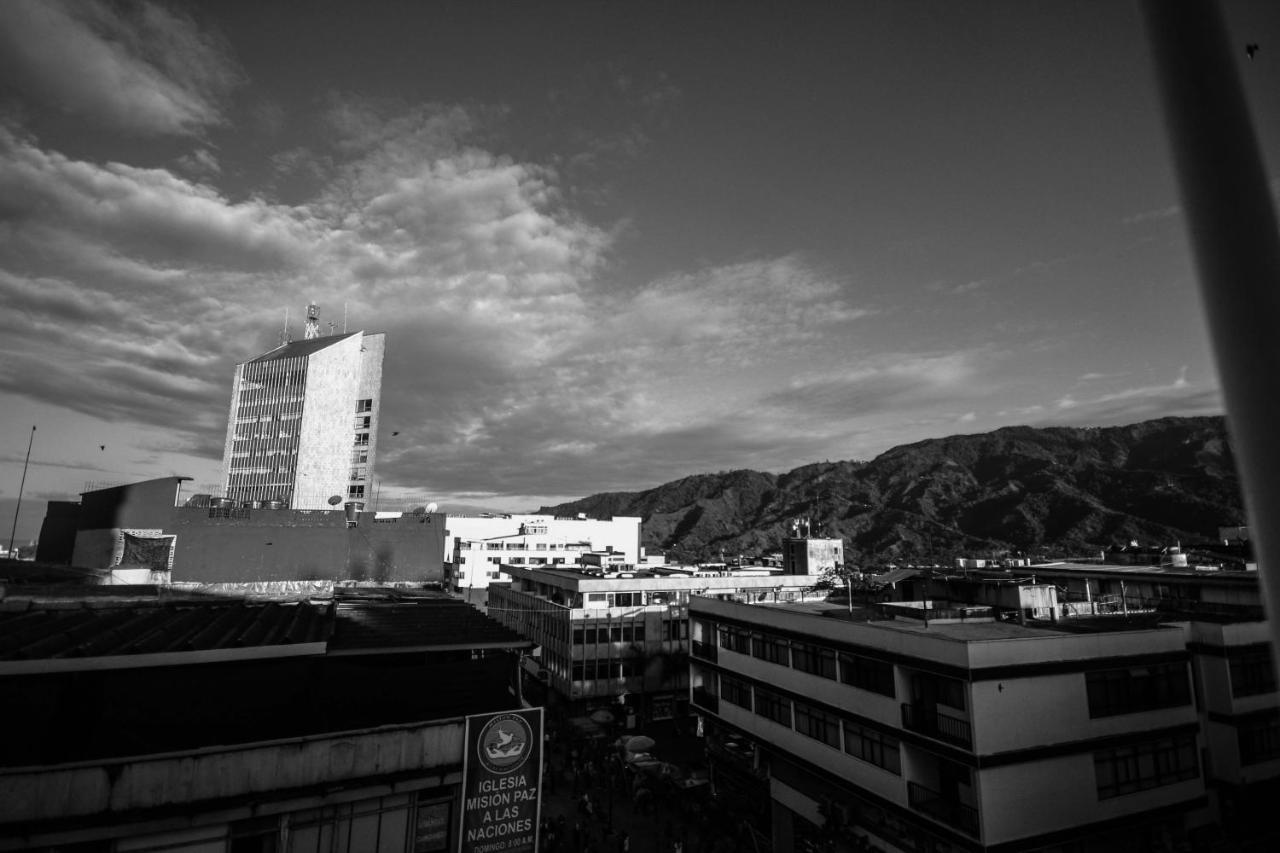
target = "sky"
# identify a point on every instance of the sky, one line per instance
(611, 245)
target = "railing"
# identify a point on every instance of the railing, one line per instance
(706, 651)
(954, 814)
(927, 721)
(704, 698)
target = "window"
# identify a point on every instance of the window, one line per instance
(735, 692)
(1252, 672)
(770, 648)
(355, 492)
(867, 674)
(773, 706)
(817, 724)
(362, 439)
(1139, 688)
(873, 747)
(814, 660)
(1127, 769)
(735, 640)
(1259, 738)
(364, 405)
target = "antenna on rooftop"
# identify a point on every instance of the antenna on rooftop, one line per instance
(344, 318)
(284, 332)
(312, 329)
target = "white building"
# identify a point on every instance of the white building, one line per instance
(944, 726)
(604, 633)
(303, 424)
(476, 545)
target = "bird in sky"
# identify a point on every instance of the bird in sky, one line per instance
(395, 433)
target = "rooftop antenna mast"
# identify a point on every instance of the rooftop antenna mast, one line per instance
(312, 329)
(344, 318)
(284, 332)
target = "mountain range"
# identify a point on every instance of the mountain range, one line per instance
(1042, 492)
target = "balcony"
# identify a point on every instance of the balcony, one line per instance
(927, 721)
(706, 651)
(954, 814)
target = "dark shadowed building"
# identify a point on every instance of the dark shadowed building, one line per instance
(141, 531)
(144, 719)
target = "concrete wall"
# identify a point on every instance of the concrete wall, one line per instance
(328, 424)
(369, 387)
(305, 545)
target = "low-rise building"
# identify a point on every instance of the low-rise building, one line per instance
(577, 534)
(987, 721)
(162, 720)
(605, 635)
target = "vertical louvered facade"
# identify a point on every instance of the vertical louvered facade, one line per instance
(303, 423)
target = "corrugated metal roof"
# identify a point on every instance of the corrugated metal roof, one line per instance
(431, 624)
(301, 349)
(77, 629)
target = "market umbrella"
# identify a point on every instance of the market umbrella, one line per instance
(602, 716)
(640, 743)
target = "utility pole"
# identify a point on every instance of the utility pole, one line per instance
(14, 530)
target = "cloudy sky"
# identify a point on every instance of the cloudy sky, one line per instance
(610, 244)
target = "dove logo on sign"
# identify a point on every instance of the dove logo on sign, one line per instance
(505, 743)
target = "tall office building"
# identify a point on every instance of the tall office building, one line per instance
(304, 421)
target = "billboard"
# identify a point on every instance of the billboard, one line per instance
(501, 779)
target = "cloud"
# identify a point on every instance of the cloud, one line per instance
(1153, 215)
(147, 214)
(1129, 405)
(887, 382)
(142, 68)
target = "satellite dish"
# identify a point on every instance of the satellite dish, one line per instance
(432, 507)
(334, 500)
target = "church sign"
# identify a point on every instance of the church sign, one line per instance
(501, 775)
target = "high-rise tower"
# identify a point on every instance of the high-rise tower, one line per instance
(304, 421)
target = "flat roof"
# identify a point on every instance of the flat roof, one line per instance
(973, 630)
(1180, 572)
(302, 348)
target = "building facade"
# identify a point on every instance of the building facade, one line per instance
(954, 727)
(216, 725)
(609, 635)
(152, 526)
(303, 424)
(489, 539)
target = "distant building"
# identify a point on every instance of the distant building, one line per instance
(477, 545)
(150, 532)
(604, 634)
(984, 716)
(171, 723)
(805, 554)
(303, 426)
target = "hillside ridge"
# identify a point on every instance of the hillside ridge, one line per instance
(1042, 491)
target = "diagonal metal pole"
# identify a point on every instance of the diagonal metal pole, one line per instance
(1232, 223)
(22, 487)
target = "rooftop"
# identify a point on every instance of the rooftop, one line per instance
(77, 630)
(301, 349)
(421, 626)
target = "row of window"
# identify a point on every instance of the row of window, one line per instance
(1138, 767)
(855, 670)
(1128, 690)
(1259, 739)
(630, 632)
(1252, 672)
(592, 670)
(862, 742)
